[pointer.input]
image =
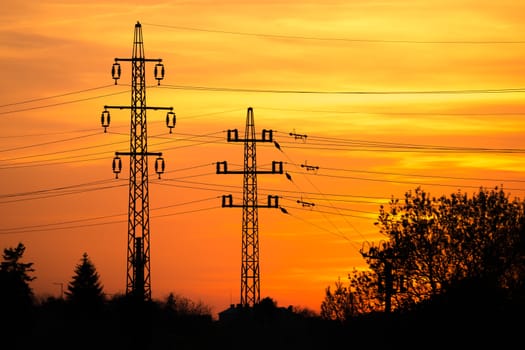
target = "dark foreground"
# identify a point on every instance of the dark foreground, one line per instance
(436, 327)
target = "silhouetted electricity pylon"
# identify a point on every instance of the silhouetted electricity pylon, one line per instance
(250, 273)
(138, 277)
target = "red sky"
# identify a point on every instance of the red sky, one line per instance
(391, 95)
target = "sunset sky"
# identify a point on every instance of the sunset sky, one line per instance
(391, 95)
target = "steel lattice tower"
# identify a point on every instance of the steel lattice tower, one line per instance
(250, 281)
(138, 277)
(250, 273)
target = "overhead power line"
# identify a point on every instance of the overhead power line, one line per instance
(365, 145)
(326, 197)
(421, 175)
(278, 91)
(401, 181)
(71, 224)
(49, 193)
(48, 143)
(38, 134)
(347, 92)
(192, 140)
(61, 103)
(401, 114)
(54, 189)
(55, 96)
(354, 40)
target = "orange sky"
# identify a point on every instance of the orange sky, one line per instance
(57, 57)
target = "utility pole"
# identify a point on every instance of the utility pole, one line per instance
(385, 257)
(138, 278)
(61, 288)
(250, 273)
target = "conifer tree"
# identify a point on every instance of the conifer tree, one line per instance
(15, 290)
(85, 289)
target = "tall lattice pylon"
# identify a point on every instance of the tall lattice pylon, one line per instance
(250, 272)
(138, 276)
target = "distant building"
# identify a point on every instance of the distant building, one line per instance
(235, 313)
(263, 312)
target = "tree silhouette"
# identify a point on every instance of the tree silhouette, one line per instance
(180, 305)
(85, 290)
(436, 243)
(16, 295)
(451, 245)
(337, 305)
(15, 278)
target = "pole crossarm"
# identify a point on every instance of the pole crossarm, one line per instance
(143, 107)
(158, 154)
(222, 168)
(138, 59)
(227, 202)
(266, 136)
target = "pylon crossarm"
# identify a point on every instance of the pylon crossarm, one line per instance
(143, 107)
(158, 154)
(222, 168)
(273, 202)
(233, 136)
(138, 59)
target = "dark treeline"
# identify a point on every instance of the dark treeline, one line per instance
(450, 272)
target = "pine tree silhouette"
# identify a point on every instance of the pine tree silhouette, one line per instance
(85, 290)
